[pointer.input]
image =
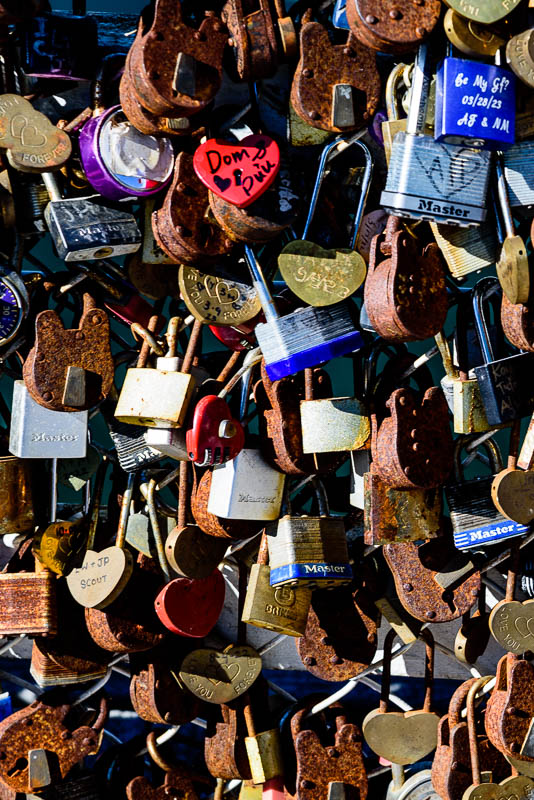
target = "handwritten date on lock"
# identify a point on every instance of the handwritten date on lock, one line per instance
(239, 173)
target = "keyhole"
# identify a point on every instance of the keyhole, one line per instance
(237, 176)
(20, 765)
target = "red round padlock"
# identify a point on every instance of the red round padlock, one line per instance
(215, 437)
(191, 607)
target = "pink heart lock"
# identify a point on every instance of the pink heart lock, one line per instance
(240, 172)
(191, 606)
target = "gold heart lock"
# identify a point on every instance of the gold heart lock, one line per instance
(219, 677)
(519, 788)
(321, 277)
(512, 625)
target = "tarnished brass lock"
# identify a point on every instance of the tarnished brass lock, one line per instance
(16, 495)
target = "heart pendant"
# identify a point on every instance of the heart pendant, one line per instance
(101, 578)
(240, 172)
(321, 277)
(402, 738)
(512, 625)
(219, 677)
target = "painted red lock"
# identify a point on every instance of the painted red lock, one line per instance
(239, 172)
(191, 607)
(215, 437)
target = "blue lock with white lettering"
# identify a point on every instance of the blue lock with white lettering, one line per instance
(476, 522)
(475, 104)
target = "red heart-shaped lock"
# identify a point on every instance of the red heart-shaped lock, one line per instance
(240, 172)
(191, 607)
(215, 437)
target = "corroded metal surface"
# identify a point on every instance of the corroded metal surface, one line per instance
(180, 226)
(56, 349)
(510, 708)
(405, 293)
(177, 783)
(252, 35)
(341, 634)
(48, 727)
(413, 447)
(224, 747)
(321, 760)
(157, 696)
(323, 66)
(214, 525)
(153, 60)
(392, 28)
(518, 324)
(415, 568)
(16, 495)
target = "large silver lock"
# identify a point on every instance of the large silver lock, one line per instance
(246, 488)
(433, 180)
(37, 432)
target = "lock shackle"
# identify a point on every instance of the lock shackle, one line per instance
(471, 727)
(171, 336)
(96, 498)
(502, 193)
(154, 753)
(126, 503)
(457, 702)
(320, 495)
(421, 79)
(489, 445)
(261, 286)
(395, 78)
(110, 68)
(330, 151)
(386, 669)
(480, 296)
(156, 530)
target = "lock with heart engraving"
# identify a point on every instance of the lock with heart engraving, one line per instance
(322, 277)
(512, 622)
(335, 87)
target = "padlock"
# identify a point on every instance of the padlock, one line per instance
(335, 87)
(180, 226)
(246, 488)
(220, 299)
(466, 250)
(70, 369)
(60, 46)
(155, 693)
(201, 669)
(414, 188)
(518, 179)
(394, 123)
(323, 277)
(28, 603)
(37, 432)
(475, 104)
(451, 767)
(17, 492)
(512, 265)
(472, 638)
(504, 385)
(340, 638)
(510, 620)
(253, 36)
(15, 304)
(118, 160)
(309, 551)
(84, 228)
(512, 489)
(403, 737)
(509, 712)
(158, 398)
(322, 765)
(400, 32)
(433, 581)
(475, 520)
(303, 338)
(282, 609)
(404, 302)
(178, 778)
(471, 38)
(263, 747)
(483, 12)
(520, 56)
(32, 142)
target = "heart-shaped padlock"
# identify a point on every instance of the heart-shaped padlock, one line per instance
(191, 607)
(215, 437)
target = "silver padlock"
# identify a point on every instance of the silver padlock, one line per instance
(431, 180)
(246, 488)
(519, 174)
(37, 432)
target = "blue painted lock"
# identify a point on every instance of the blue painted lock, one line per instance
(475, 104)
(339, 15)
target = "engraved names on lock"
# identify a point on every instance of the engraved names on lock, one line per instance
(218, 677)
(221, 301)
(512, 625)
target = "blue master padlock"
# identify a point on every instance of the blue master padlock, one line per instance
(475, 104)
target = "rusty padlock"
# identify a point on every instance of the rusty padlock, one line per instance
(178, 780)
(155, 693)
(70, 369)
(252, 38)
(399, 29)
(321, 763)
(518, 324)
(509, 716)
(340, 639)
(434, 581)
(224, 746)
(335, 87)
(174, 69)
(405, 292)
(51, 728)
(180, 226)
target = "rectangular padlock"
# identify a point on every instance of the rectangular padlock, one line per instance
(519, 175)
(334, 424)
(246, 488)
(37, 432)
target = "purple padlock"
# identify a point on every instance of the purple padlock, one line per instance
(121, 162)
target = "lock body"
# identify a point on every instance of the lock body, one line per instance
(264, 755)
(155, 398)
(333, 424)
(435, 181)
(466, 250)
(475, 101)
(246, 488)
(281, 609)
(309, 552)
(37, 432)
(397, 515)
(518, 173)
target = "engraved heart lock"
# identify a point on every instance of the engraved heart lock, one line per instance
(219, 677)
